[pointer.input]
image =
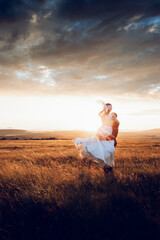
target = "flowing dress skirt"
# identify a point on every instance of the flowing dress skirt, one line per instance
(95, 149)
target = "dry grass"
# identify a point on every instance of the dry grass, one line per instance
(47, 193)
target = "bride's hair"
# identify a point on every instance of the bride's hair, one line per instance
(105, 105)
(109, 106)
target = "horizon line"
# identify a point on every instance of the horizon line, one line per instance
(80, 130)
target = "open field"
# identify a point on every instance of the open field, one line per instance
(47, 193)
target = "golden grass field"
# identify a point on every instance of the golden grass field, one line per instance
(47, 193)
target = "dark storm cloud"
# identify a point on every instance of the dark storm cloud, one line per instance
(14, 10)
(110, 10)
(98, 46)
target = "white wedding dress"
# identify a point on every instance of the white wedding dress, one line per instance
(95, 149)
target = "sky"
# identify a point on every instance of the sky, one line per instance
(59, 57)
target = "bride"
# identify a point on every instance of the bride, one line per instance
(102, 146)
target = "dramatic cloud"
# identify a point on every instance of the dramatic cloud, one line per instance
(72, 47)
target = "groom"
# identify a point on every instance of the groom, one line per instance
(115, 130)
(113, 136)
(115, 125)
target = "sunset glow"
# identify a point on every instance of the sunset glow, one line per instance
(73, 113)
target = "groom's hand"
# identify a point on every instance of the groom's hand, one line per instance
(112, 137)
(115, 143)
(101, 137)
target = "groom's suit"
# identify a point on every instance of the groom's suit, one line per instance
(115, 129)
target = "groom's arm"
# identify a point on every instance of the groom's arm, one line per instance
(110, 137)
(115, 128)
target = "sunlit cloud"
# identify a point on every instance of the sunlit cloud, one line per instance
(155, 88)
(34, 19)
(102, 77)
(38, 73)
(153, 24)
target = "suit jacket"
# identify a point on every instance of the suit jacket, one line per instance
(115, 127)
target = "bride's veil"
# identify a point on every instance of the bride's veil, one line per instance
(102, 103)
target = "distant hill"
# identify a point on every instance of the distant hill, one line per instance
(24, 134)
(151, 133)
(12, 131)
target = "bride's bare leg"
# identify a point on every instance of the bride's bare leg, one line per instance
(107, 169)
(101, 162)
(90, 162)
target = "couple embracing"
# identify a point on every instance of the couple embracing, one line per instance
(101, 147)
